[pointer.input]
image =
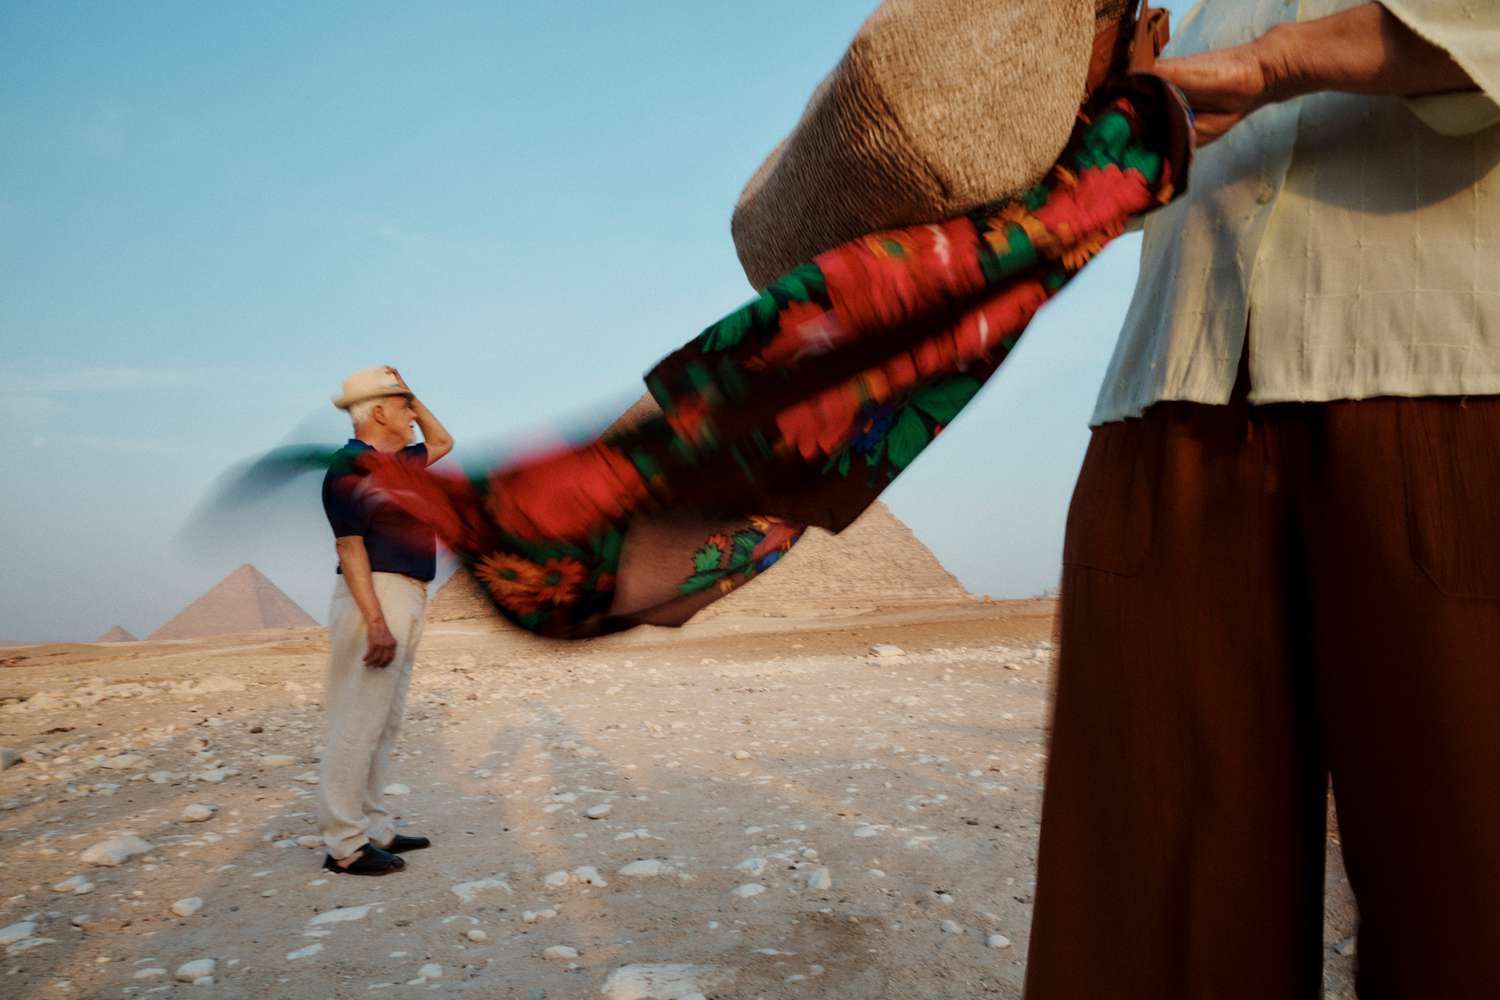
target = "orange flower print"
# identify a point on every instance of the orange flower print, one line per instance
(515, 582)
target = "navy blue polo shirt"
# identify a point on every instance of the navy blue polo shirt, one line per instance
(395, 541)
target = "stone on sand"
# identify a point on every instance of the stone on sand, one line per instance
(187, 907)
(469, 891)
(666, 981)
(195, 971)
(747, 890)
(560, 953)
(78, 885)
(115, 851)
(198, 812)
(649, 868)
(19, 931)
(342, 914)
(997, 941)
(9, 758)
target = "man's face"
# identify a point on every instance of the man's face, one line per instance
(400, 417)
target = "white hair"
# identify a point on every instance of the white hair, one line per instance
(360, 412)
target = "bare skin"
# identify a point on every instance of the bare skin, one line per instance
(1363, 50)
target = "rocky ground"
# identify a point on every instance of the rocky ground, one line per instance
(751, 809)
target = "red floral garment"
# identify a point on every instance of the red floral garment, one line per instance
(800, 407)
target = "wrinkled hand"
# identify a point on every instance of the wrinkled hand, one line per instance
(1223, 86)
(382, 646)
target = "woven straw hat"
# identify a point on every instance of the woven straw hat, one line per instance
(369, 383)
(938, 107)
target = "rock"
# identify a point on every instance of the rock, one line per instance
(997, 941)
(747, 890)
(309, 840)
(469, 891)
(215, 775)
(1347, 947)
(191, 972)
(741, 755)
(560, 953)
(752, 865)
(163, 777)
(307, 952)
(17, 932)
(26, 944)
(198, 812)
(9, 758)
(664, 981)
(866, 831)
(115, 851)
(430, 971)
(187, 907)
(820, 880)
(649, 868)
(556, 879)
(78, 885)
(342, 914)
(396, 788)
(151, 973)
(952, 927)
(476, 935)
(885, 650)
(277, 760)
(589, 875)
(598, 812)
(123, 761)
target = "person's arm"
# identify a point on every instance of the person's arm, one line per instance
(1363, 50)
(355, 563)
(439, 442)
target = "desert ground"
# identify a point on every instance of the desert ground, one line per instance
(754, 808)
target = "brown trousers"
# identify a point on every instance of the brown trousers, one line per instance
(1255, 599)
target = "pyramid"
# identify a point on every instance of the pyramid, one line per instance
(875, 562)
(117, 634)
(241, 602)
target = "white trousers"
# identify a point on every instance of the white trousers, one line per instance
(364, 706)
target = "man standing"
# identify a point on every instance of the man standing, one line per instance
(1282, 562)
(386, 558)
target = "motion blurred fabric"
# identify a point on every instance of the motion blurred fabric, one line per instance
(801, 407)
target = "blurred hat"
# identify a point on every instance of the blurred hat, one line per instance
(369, 383)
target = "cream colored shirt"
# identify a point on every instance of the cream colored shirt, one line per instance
(1357, 239)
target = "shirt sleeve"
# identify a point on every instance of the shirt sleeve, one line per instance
(344, 503)
(416, 454)
(1470, 33)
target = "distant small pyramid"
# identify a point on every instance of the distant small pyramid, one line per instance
(243, 601)
(117, 634)
(460, 598)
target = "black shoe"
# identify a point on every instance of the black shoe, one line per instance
(404, 843)
(368, 860)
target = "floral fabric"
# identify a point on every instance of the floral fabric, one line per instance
(800, 407)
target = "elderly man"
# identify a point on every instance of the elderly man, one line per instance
(385, 561)
(1282, 562)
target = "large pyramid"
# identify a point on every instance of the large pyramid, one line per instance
(875, 562)
(241, 602)
(118, 633)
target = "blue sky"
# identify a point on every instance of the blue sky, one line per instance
(210, 213)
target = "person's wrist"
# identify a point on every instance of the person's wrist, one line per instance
(1275, 59)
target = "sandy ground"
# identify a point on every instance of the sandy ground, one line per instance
(887, 808)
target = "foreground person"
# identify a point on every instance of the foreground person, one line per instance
(385, 561)
(1283, 554)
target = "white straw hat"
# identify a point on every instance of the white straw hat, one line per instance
(370, 383)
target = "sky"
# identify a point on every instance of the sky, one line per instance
(211, 213)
